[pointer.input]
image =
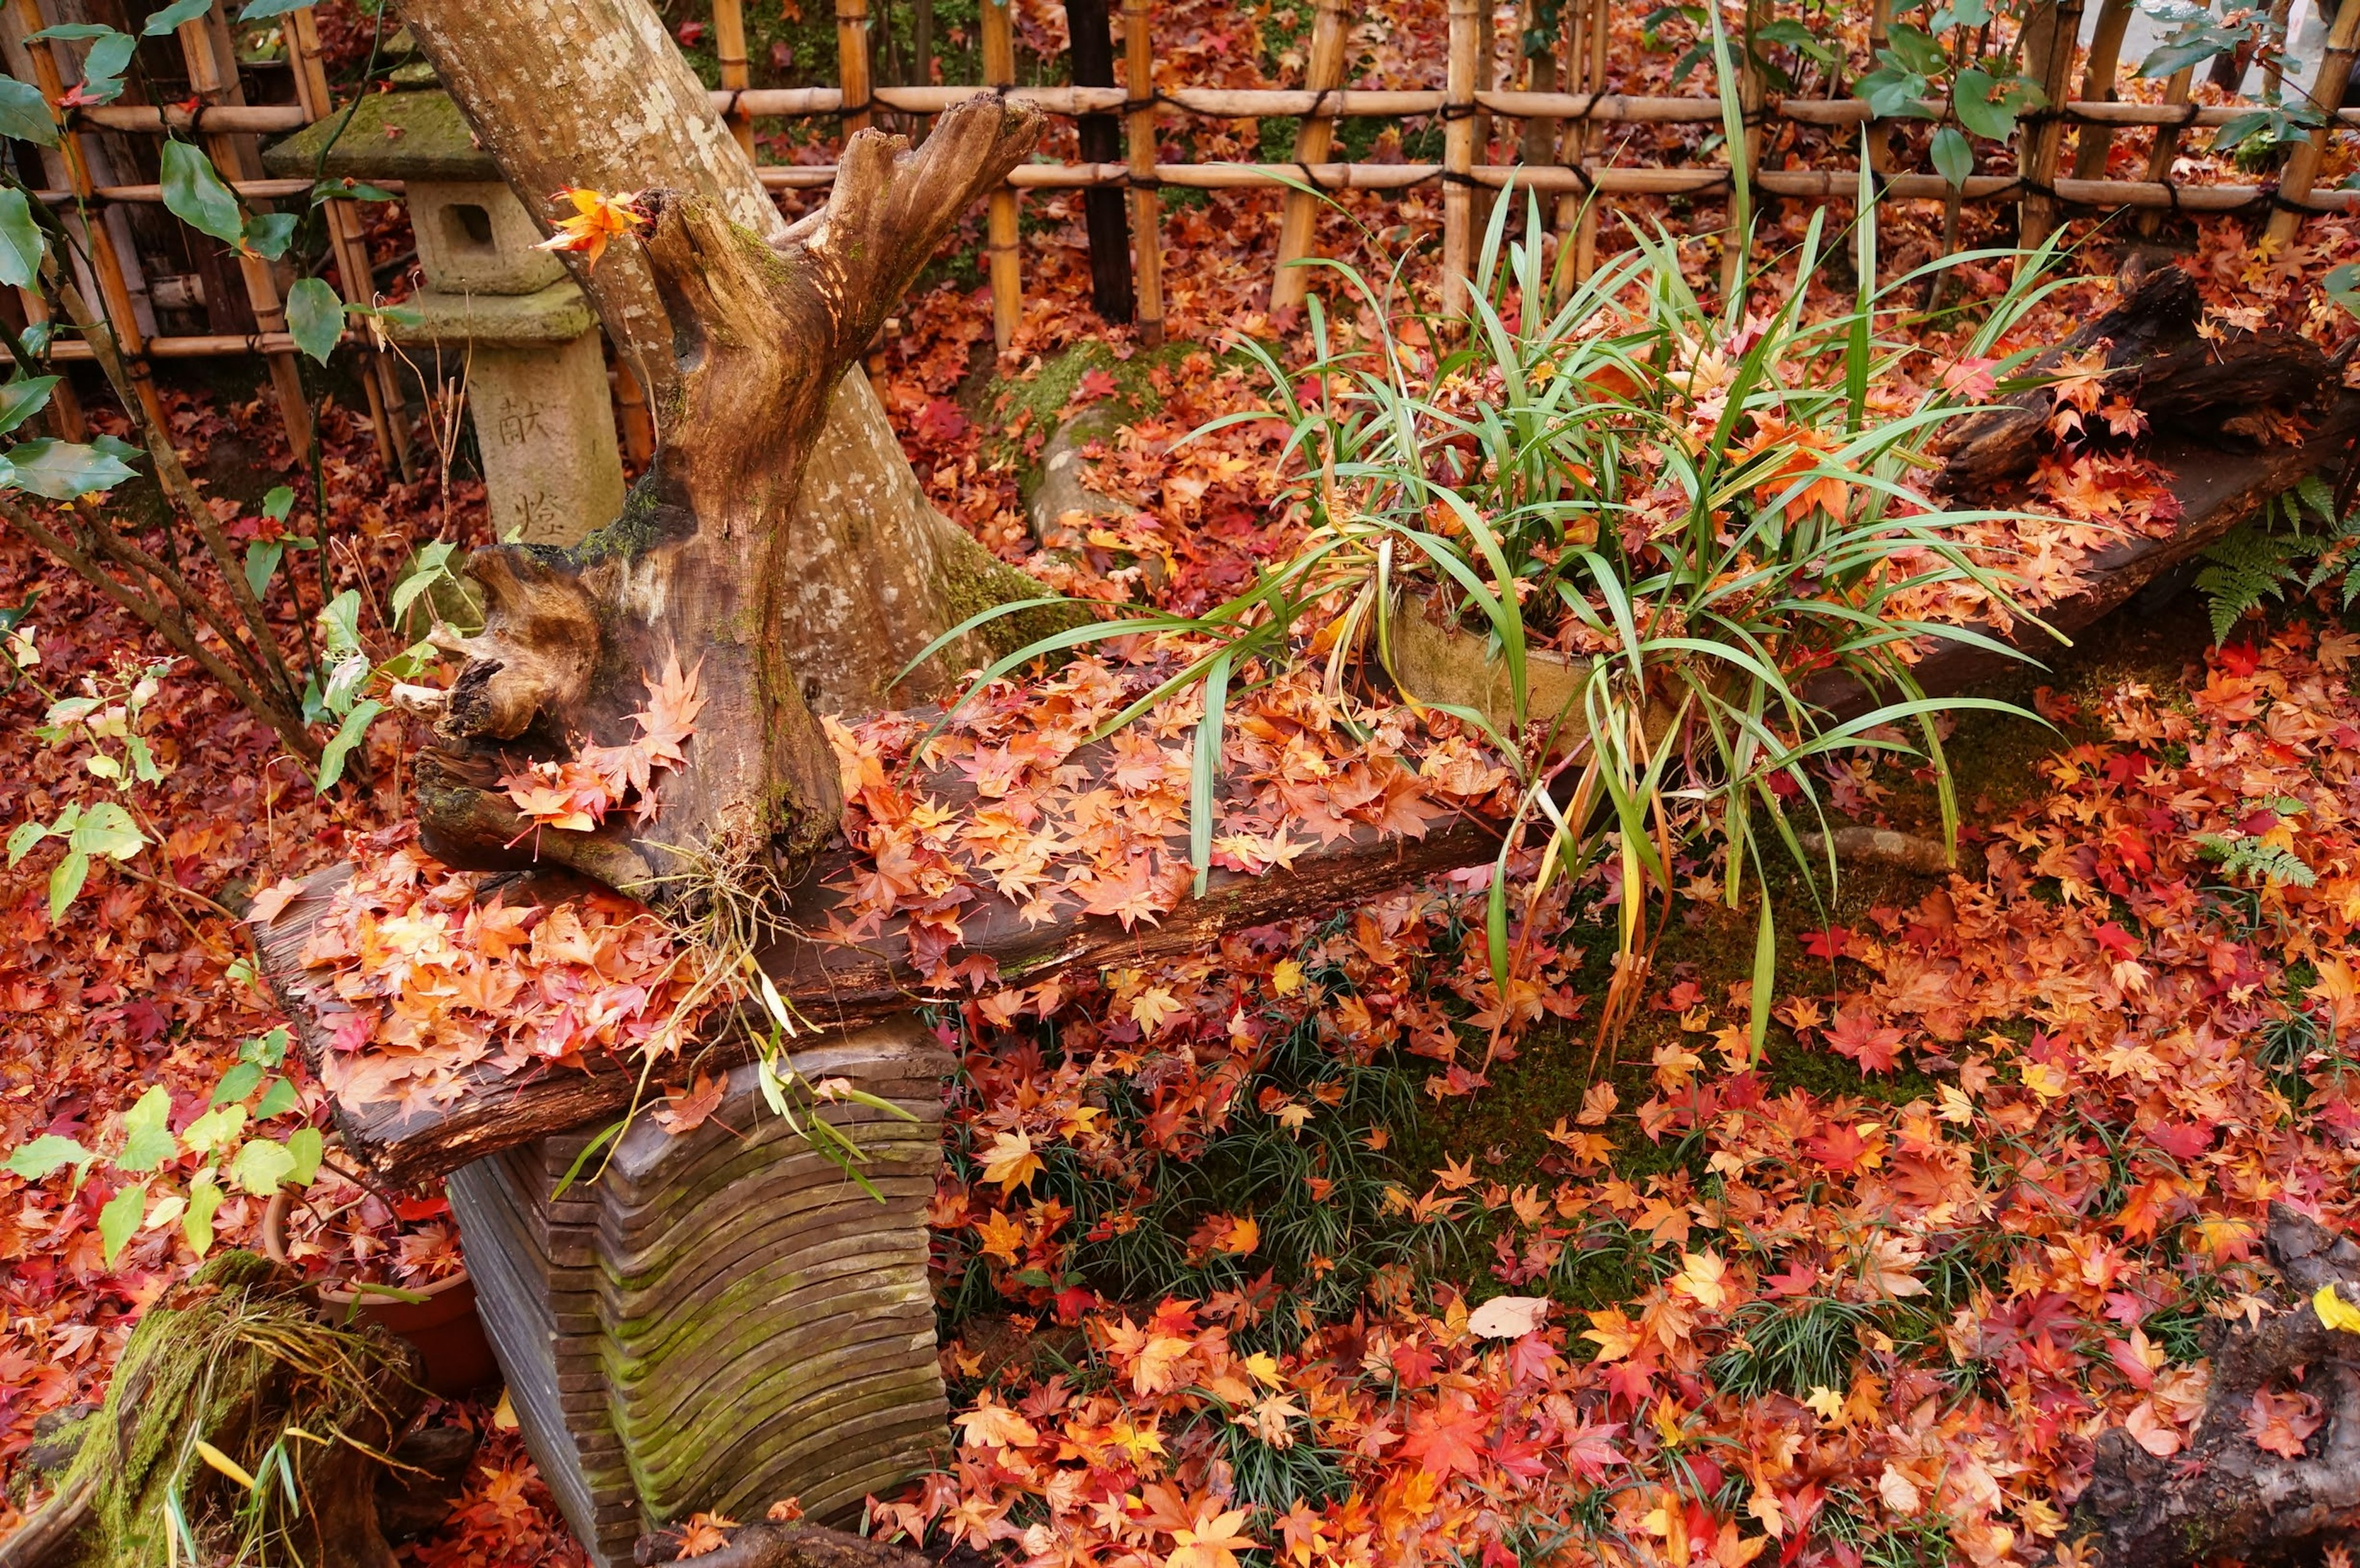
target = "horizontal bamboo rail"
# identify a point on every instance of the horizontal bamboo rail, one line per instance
(2102, 193)
(1233, 103)
(199, 345)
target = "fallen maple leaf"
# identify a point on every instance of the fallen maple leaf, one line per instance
(1508, 1317)
(597, 219)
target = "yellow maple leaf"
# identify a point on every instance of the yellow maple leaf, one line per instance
(1011, 1162)
(2334, 1311)
(1700, 1278)
(1286, 979)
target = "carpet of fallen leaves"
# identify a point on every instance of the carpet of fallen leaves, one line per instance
(2083, 1069)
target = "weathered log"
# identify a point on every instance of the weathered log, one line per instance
(2212, 392)
(2225, 1497)
(837, 985)
(702, 567)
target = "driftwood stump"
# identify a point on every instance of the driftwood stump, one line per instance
(717, 1321)
(2225, 1496)
(704, 565)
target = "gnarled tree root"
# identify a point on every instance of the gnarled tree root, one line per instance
(2224, 1497)
(235, 1358)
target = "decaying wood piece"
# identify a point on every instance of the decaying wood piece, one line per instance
(592, 93)
(2187, 387)
(2225, 1497)
(703, 564)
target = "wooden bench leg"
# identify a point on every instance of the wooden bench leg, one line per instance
(721, 1319)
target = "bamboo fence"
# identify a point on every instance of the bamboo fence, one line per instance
(1569, 121)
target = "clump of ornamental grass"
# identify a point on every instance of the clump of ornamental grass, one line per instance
(1703, 506)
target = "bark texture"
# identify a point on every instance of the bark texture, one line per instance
(2225, 1496)
(713, 562)
(2220, 393)
(592, 92)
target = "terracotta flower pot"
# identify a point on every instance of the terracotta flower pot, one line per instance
(440, 1324)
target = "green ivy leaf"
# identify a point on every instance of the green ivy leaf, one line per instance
(269, 1049)
(278, 503)
(61, 470)
(107, 60)
(22, 398)
(47, 1155)
(1953, 159)
(260, 1165)
(259, 9)
(119, 1221)
(1971, 96)
(197, 1225)
(348, 736)
(148, 1142)
(21, 246)
(25, 115)
(195, 194)
(1916, 50)
(316, 316)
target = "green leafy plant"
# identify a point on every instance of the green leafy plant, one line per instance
(2292, 546)
(165, 1176)
(1702, 508)
(1950, 71)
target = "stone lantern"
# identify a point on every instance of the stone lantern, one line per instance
(533, 358)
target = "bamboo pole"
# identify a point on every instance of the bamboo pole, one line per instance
(1299, 217)
(2095, 141)
(2052, 34)
(211, 83)
(2327, 88)
(1212, 102)
(2167, 141)
(1879, 33)
(1458, 155)
(1593, 137)
(348, 242)
(1146, 205)
(1751, 92)
(114, 295)
(1000, 211)
(730, 47)
(852, 62)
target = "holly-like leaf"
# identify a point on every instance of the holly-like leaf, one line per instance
(237, 1083)
(260, 10)
(195, 194)
(316, 318)
(278, 1100)
(61, 470)
(148, 1142)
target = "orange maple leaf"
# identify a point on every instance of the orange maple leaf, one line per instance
(597, 219)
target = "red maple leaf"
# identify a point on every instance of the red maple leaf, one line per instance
(1840, 1149)
(1445, 1438)
(1854, 1033)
